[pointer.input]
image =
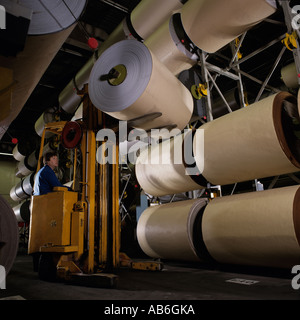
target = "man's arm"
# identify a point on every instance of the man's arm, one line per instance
(53, 181)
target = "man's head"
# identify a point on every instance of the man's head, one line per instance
(51, 159)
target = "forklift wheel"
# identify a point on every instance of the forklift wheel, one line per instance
(47, 267)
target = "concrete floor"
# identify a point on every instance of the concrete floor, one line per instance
(176, 281)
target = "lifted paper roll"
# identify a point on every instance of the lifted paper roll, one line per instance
(259, 228)
(128, 82)
(168, 231)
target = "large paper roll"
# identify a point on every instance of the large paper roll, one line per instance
(254, 142)
(168, 231)
(143, 86)
(260, 228)
(29, 66)
(211, 24)
(162, 170)
(168, 48)
(9, 235)
(51, 16)
(158, 10)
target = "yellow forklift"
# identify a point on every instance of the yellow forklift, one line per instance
(77, 234)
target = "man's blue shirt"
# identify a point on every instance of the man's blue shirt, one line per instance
(45, 180)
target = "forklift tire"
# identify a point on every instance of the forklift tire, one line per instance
(47, 268)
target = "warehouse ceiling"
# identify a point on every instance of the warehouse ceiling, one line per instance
(100, 18)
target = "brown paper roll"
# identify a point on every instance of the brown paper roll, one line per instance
(167, 231)
(253, 142)
(213, 24)
(144, 86)
(167, 51)
(260, 228)
(161, 169)
(158, 10)
(29, 66)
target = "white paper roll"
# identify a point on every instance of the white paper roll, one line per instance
(45, 117)
(250, 143)
(144, 86)
(167, 231)
(51, 16)
(161, 169)
(22, 211)
(260, 228)
(213, 24)
(17, 154)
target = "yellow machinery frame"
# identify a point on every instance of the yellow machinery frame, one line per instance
(83, 230)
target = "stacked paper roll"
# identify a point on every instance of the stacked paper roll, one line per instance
(22, 211)
(49, 16)
(247, 144)
(150, 14)
(213, 24)
(167, 231)
(144, 86)
(19, 153)
(166, 47)
(46, 117)
(260, 228)
(161, 168)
